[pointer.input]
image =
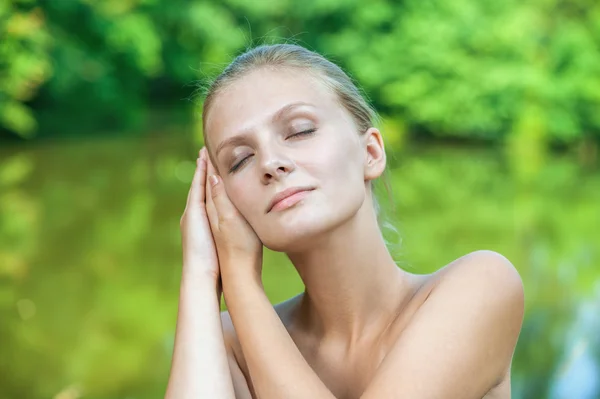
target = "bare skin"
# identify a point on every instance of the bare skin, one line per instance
(348, 371)
(363, 328)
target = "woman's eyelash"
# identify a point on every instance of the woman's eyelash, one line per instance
(239, 164)
(309, 131)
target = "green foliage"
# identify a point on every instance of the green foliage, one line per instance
(24, 63)
(464, 69)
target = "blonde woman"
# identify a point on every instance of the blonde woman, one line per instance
(290, 155)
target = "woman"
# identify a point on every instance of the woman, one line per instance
(291, 154)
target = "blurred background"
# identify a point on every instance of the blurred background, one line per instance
(491, 116)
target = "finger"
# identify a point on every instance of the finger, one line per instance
(210, 170)
(213, 216)
(210, 205)
(220, 200)
(210, 167)
(197, 191)
(216, 193)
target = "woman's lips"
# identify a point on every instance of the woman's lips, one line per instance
(290, 201)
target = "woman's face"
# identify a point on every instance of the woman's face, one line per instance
(274, 130)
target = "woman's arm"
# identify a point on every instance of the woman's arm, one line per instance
(200, 364)
(242, 389)
(199, 367)
(277, 368)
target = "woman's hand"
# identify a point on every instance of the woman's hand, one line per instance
(237, 244)
(199, 253)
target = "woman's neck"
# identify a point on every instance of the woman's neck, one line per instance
(353, 286)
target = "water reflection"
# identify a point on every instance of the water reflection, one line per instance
(578, 373)
(90, 260)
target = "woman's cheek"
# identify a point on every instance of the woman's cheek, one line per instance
(242, 200)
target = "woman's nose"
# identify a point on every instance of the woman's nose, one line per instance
(276, 167)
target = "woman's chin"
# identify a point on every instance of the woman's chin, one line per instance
(287, 245)
(299, 228)
(294, 237)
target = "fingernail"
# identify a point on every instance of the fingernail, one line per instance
(213, 180)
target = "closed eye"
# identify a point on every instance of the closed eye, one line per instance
(303, 133)
(243, 161)
(237, 165)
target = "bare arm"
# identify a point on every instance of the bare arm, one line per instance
(200, 365)
(242, 389)
(277, 368)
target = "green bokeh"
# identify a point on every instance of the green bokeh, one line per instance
(463, 69)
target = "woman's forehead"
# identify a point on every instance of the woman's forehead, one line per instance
(255, 98)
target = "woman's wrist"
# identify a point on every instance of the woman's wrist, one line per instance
(200, 281)
(236, 271)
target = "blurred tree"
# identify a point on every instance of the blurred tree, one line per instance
(25, 47)
(464, 69)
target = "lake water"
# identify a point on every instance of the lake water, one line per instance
(90, 259)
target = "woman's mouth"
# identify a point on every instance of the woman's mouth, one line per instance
(289, 198)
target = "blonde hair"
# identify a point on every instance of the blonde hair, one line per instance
(293, 56)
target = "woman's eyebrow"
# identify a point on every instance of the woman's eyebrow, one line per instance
(234, 140)
(286, 108)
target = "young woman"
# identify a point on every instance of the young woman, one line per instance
(291, 153)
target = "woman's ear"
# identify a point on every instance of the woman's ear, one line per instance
(375, 159)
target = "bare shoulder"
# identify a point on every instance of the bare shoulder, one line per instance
(484, 268)
(488, 290)
(482, 280)
(462, 336)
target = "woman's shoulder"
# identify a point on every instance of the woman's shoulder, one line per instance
(482, 280)
(476, 276)
(470, 309)
(481, 291)
(482, 268)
